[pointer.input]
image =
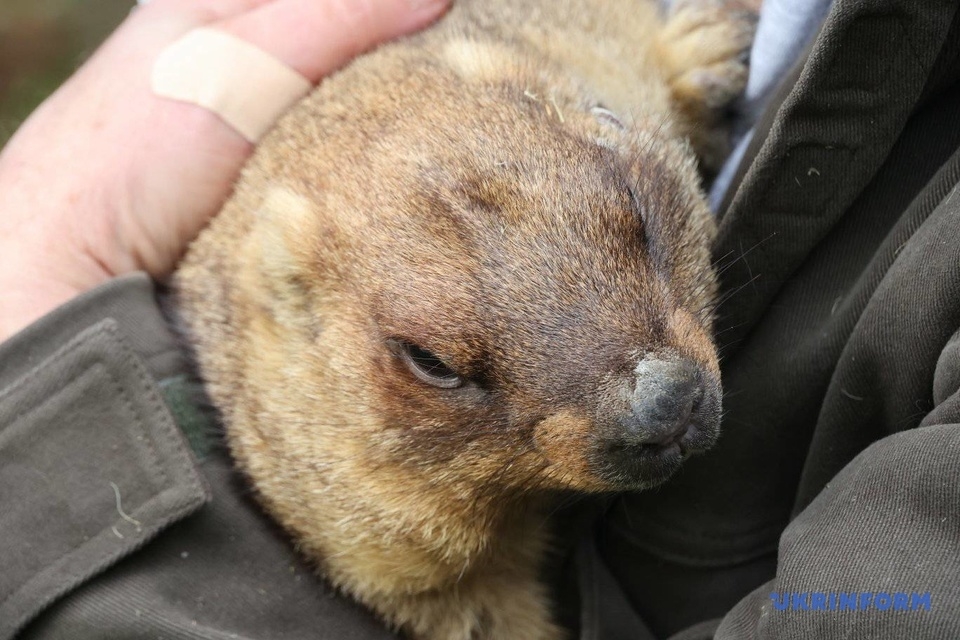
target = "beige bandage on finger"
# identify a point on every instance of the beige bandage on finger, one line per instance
(242, 84)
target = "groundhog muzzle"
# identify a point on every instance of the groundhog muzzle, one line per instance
(471, 269)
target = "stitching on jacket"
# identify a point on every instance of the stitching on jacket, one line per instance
(139, 424)
(96, 366)
(161, 490)
(74, 344)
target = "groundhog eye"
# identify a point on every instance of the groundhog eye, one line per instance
(427, 366)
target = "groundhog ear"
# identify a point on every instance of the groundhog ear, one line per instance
(275, 257)
(278, 254)
(281, 226)
(608, 118)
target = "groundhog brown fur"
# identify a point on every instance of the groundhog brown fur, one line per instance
(472, 269)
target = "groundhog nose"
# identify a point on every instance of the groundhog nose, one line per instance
(665, 404)
(672, 409)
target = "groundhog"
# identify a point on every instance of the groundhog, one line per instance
(471, 270)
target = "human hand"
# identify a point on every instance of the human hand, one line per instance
(106, 178)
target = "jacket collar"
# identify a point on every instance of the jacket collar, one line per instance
(815, 150)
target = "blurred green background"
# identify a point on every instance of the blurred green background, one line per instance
(41, 43)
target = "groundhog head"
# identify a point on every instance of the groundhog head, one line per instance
(431, 293)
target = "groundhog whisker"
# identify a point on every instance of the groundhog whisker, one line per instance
(742, 256)
(733, 292)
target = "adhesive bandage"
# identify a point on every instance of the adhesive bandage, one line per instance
(242, 84)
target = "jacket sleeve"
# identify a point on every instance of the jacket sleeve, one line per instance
(91, 463)
(877, 553)
(121, 515)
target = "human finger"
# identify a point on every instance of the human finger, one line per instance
(315, 38)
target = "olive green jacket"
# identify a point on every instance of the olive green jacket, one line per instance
(838, 471)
